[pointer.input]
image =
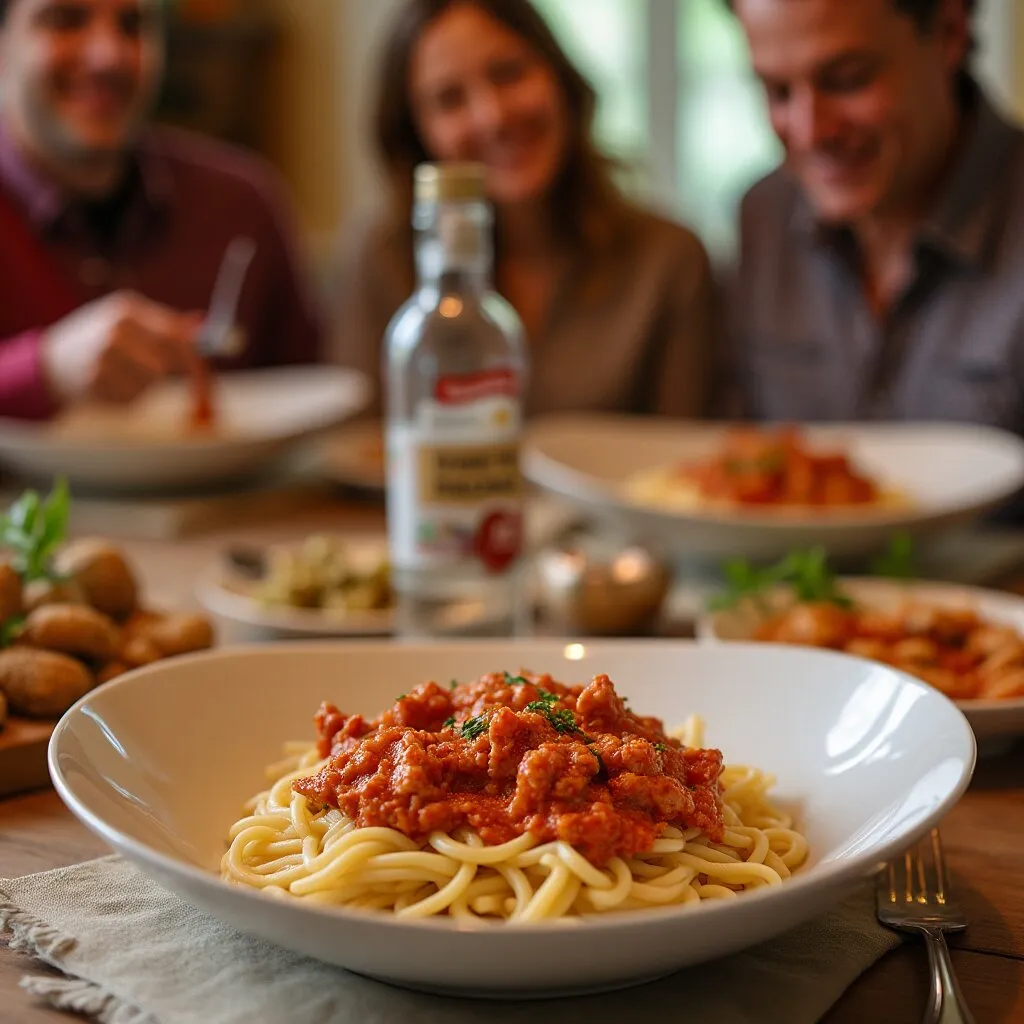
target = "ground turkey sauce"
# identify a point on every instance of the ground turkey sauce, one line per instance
(510, 754)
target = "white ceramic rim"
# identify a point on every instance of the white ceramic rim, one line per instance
(561, 478)
(817, 878)
(34, 437)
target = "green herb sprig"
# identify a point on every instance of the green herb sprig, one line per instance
(808, 575)
(473, 727)
(33, 528)
(549, 700)
(10, 630)
(897, 561)
(562, 721)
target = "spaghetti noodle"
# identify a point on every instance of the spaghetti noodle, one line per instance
(553, 824)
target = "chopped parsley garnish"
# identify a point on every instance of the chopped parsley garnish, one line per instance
(448, 723)
(401, 696)
(549, 700)
(453, 684)
(660, 748)
(473, 727)
(511, 680)
(563, 721)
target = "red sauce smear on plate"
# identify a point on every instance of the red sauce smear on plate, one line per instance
(203, 414)
(506, 755)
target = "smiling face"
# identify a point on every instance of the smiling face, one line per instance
(861, 97)
(480, 93)
(77, 77)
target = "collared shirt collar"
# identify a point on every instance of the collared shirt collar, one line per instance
(45, 202)
(966, 216)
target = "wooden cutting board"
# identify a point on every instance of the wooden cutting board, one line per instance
(23, 744)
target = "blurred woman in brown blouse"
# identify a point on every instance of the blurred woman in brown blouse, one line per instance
(616, 302)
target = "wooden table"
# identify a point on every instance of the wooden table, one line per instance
(982, 837)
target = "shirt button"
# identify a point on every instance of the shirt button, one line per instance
(94, 272)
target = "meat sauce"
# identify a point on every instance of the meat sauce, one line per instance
(953, 649)
(506, 755)
(775, 468)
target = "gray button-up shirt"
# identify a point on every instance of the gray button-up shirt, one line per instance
(805, 345)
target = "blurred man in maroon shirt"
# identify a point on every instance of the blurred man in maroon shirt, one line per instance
(112, 230)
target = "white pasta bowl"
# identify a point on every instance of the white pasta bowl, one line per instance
(990, 719)
(262, 415)
(948, 475)
(160, 761)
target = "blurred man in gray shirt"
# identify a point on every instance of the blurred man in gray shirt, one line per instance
(881, 271)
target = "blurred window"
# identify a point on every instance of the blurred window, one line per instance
(680, 103)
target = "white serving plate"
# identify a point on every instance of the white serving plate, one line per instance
(159, 762)
(147, 446)
(989, 718)
(228, 594)
(952, 474)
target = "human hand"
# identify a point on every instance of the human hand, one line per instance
(114, 348)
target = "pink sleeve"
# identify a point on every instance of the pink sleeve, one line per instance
(24, 393)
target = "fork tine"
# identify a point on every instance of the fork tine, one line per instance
(907, 879)
(940, 867)
(922, 878)
(913, 896)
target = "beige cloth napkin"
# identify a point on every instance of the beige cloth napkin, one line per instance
(133, 953)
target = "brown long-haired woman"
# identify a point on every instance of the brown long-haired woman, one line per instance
(616, 302)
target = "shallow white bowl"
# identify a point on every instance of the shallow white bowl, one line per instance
(147, 446)
(988, 718)
(952, 474)
(160, 761)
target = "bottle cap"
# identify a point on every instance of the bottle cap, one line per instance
(442, 182)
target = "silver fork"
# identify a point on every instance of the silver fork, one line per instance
(219, 336)
(913, 896)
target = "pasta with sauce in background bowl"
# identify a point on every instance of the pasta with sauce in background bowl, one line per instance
(707, 491)
(967, 642)
(761, 469)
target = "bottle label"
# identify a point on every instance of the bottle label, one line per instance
(455, 490)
